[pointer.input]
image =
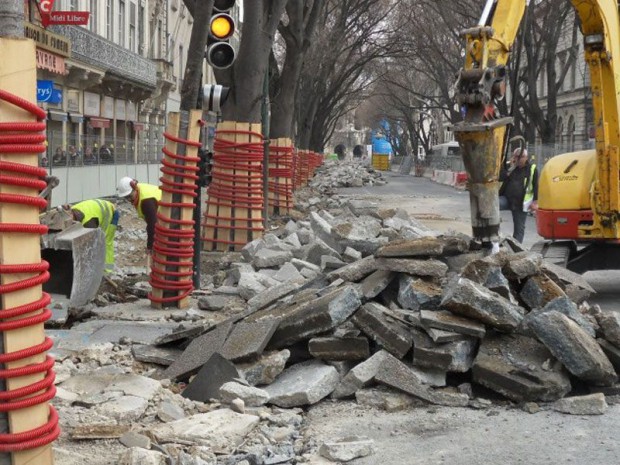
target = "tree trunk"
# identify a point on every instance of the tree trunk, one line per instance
(248, 72)
(12, 18)
(283, 105)
(192, 76)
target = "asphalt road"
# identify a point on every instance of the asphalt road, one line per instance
(444, 208)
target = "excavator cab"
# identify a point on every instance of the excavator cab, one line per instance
(76, 254)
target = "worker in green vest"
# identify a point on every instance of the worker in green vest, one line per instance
(97, 213)
(145, 197)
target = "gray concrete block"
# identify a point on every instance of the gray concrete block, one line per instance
(455, 356)
(421, 247)
(247, 340)
(418, 293)
(359, 376)
(303, 384)
(354, 271)
(212, 376)
(372, 318)
(448, 321)
(593, 404)
(430, 268)
(336, 348)
(375, 283)
(539, 290)
(518, 367)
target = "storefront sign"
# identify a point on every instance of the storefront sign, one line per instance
(50, 62)
(48, 40)
(45, 89)
(77, 18)
(73, 100)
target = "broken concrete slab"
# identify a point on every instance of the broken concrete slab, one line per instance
(303, 384)
(206, 385)
(125, 409)
(375, 283)
(198, 352)
(457, 356)
(181, 332)
(564, 277)
(99, 381)
(593, 404)
(359, 376)
(356, 229)
(565, 306)
(222, 430)
(139, 456)
(137, 332)
(448, 321)
(418, 293)
(396, 374)
(373, 319)
(570, 344)
(521, 265)
(431, 268)
(247, 340)
(288, 272)
(251, 396)
(610, 326)
(520, 368)
(213, 303)
(268, 258)
(269, 296)
(441, 336)
(466, 298)
(387, 399)
(317, 316)
(539, 290)
(266, 369)
(169, 411)
(329, 263)
(314, 251)
(355, 271)
(158, 355)
(421, 247)
(612, 352)
(337, 348)
(347, 448)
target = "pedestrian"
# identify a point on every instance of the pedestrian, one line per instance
(519, 190)
(98, 213)
(59, 158)
(145, 197)
(74, 156)
(89, 157)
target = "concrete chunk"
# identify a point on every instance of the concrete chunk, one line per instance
(518, 367)
(336, 348)
(570, 344)
(421, 247)
(355, 271)
(522, 265)
(431, 268)
(418, 293)
(457, 356)
(347, 449)
(360, 375)
(265, 369)
(374, 284)
(317, 316)
(464, 297)
(539, 290)
(268, 296)
(372, 319)
(593, 404)
(610, 325)
(206, 384)
(303, 384)
(248, 340)
(448, 321)
(268, 258)
(251, 396)
(396, 374)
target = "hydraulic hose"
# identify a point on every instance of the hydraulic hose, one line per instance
(25, 138)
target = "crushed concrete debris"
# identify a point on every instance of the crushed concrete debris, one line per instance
(343, 300)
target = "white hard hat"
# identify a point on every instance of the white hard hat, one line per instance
(124, 187)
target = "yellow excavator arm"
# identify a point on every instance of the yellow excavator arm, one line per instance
(482, 134)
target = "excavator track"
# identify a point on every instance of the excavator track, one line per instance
(557, 253)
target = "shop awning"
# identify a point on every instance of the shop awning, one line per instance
(76, 117)
(99, 122)
(57, 115)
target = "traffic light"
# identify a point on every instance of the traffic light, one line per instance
(214, 96)
(204, 167)
(220, 54)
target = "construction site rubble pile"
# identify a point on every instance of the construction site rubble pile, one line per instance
(356, 304)
(333, 174)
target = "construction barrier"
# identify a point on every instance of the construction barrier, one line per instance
(281, 176)
(450, 178)
(234, 213)
(173, 246)
(381, 161)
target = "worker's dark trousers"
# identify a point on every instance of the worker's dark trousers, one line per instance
(519, 218)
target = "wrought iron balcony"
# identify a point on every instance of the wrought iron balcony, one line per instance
(94, 50)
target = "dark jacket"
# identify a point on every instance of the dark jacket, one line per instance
(514, 184)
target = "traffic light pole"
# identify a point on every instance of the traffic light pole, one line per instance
(207, 137)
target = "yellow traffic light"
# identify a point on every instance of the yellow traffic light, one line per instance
(222, 26)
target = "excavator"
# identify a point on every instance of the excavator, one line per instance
(579, 193)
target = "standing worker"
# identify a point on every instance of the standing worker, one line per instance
(97, 213)
(519, 191)
(145, 197)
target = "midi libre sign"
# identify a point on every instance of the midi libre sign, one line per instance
(50, 17)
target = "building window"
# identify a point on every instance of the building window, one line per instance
(160, 39)
(132, 27)
(121, 23)
(140, 29)
(73, 5)
(94, 16)
(109, 19)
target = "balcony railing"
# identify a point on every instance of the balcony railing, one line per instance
(94, 50)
